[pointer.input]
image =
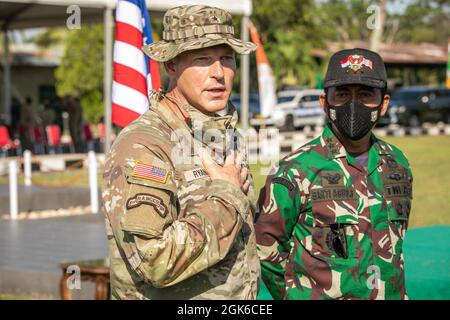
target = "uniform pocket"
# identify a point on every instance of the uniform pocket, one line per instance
(398, 211)
(334, 233)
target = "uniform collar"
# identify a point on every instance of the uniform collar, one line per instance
(335, 149)
(193, 117)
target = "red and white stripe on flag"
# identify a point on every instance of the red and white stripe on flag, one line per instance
(133, 76)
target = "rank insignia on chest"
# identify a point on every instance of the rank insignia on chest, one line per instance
(149, 172)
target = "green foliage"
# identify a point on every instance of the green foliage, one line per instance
(80, 73)
(92, 105)
(424, 21)
(291, 29)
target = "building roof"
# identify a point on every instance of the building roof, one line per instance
(44, 13)
(395, 53)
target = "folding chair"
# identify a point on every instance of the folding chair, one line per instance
(88, 138)
(37, 138)
(6, 144)
(53, 138)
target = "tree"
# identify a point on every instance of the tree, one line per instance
(80, 73)
(424, 21)
(289, 30)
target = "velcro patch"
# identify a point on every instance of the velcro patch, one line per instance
(397, 190)
(149, 172)
(149, 199)
(336, 194)
(195, 174)
(331, 178)
(285, 182)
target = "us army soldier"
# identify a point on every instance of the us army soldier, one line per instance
(334, 213)
(180, 219)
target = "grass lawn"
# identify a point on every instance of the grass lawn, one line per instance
(11, 297)
(430, 161)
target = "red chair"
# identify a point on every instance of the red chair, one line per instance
(53, 135)
(87, 133)
(90, 142)
(53, 138)
(6, 144)
(37, 138)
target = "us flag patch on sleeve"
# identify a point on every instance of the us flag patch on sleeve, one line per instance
(150, 172)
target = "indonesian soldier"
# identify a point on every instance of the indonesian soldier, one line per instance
(178, 195)
(334, 213)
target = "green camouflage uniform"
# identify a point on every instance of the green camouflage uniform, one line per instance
(329, 229)
(177, 235)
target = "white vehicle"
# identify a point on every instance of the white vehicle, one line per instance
(294, 109)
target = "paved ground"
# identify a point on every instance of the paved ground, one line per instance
(31, 250)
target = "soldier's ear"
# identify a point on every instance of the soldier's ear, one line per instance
(170, 67)
(323, 101)
(385, 104)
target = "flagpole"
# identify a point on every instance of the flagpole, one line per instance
(108, 34)
(245, 75)
(448, 65)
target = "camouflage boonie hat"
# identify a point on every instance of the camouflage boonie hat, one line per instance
(195, 27)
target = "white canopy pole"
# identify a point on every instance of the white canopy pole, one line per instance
(6, 77)
(107, 81)
(245, 74)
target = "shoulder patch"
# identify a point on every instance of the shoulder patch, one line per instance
(148, 199)
(285, 182)
(149, 172)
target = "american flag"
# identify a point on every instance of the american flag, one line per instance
(135, 74)
(150, 172)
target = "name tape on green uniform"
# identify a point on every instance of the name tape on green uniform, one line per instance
(331, 194)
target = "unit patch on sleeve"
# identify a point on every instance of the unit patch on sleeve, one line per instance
(149, 199)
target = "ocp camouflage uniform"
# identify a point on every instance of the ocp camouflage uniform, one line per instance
(172, 232)
(330, 230)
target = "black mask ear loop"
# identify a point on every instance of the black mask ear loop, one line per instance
(330, 112)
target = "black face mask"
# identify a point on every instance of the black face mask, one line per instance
(353, 119)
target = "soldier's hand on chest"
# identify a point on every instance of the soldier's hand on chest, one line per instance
(232, 170)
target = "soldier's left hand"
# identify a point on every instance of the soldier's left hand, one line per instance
(244, 176)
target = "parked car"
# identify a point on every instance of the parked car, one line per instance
(294, 109)
(412, 106)
(253, 107)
